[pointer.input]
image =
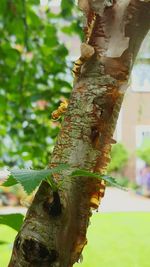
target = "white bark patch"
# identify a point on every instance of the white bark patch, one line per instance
(118, 43)
(78, 153)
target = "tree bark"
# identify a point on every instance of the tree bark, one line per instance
(54, 230)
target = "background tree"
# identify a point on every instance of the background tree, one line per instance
(34, 69)
(54, 231)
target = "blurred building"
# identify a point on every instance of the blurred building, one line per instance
(134, 120)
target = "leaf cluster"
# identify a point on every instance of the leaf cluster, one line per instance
(34, 77)
(31, 179)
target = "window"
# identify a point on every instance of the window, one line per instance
(140, 78)
(142, 132)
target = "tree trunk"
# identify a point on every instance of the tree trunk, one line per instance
(54, 230)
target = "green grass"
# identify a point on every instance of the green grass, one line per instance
(7, 235)
(114, 239)
(118, 240)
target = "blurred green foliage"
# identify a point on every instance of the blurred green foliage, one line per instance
(119, 157)
(35, 75)
(144, 151)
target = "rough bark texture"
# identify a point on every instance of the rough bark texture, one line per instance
(54, 230)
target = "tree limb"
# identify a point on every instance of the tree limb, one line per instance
(54, 231)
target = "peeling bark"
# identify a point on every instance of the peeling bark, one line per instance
(54, 230)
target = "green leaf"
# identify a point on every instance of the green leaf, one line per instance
(12, 220)
(30, 179)
(111, 180)
(66, 7)
(10, 181)
(33, 20)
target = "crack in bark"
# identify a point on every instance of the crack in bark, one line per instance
(53, 206)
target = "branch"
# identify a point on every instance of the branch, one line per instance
(54, 231)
